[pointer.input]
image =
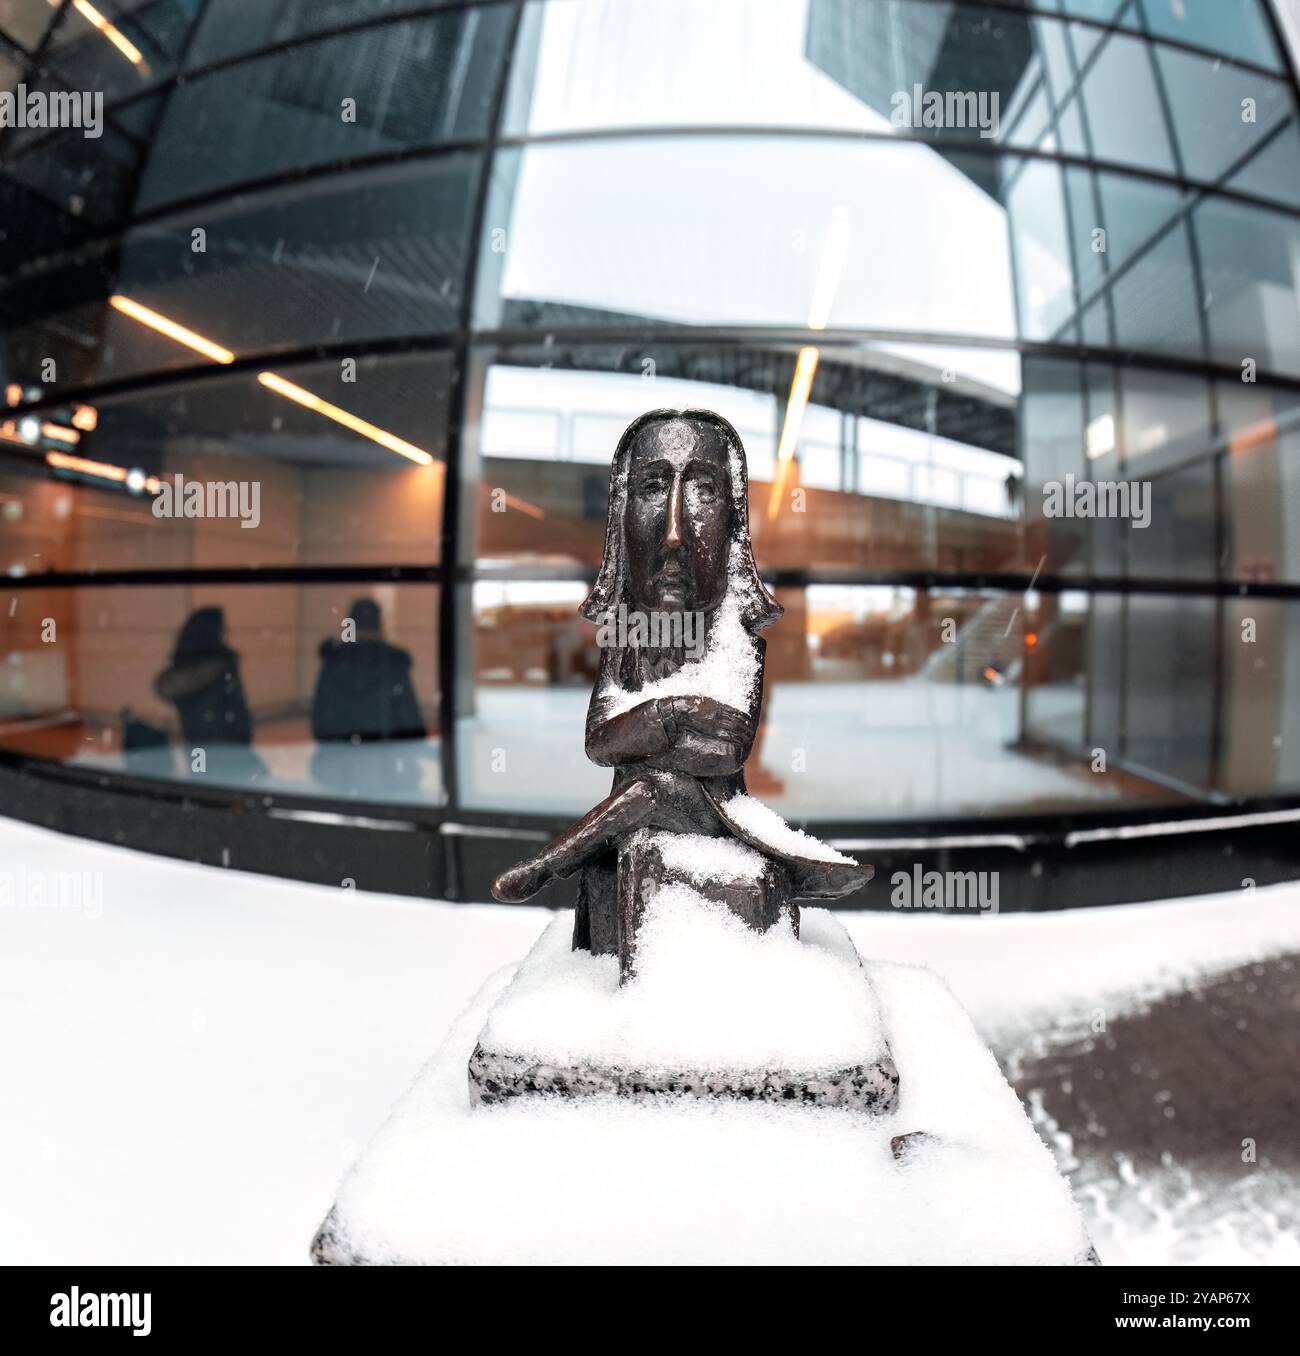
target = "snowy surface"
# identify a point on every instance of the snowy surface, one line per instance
(599, 1180)
(709, 994)
(189, 1073)
(700, 858)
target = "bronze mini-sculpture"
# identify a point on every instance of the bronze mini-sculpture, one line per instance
(677, 726)
(576, 1077)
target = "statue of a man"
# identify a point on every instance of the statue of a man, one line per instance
(676, 723)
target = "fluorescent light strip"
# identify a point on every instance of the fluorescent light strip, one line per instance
(64, 461)
(834, 252)
(805, 369)
(350, 421)
(60, 434)
(272, 381)
(114, 34)
(171, 329)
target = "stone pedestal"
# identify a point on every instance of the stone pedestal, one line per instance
(498, 1156)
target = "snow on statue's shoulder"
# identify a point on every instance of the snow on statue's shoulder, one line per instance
(727, 670)
(765, 826)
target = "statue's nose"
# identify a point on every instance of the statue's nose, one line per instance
(673, 525)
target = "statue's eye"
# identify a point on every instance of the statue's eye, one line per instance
(654, 483)
(705, 489)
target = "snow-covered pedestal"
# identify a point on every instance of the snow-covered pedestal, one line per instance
(946, 1168)
(716, 1010)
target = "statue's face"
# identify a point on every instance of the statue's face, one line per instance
(677, 522)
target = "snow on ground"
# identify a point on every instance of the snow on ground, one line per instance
(193, 1059)
(1022, 974)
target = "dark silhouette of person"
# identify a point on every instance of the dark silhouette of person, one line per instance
(365, 695)
(364, 691)
(204, 686)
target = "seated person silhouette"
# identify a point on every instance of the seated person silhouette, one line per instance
(365, 695)
(204, 685)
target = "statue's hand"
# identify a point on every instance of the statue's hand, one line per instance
(705, 716)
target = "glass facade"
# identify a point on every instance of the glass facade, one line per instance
(399, 274)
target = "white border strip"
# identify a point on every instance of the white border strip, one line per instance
(1009, 840)
(1124, 831)
(342, 821)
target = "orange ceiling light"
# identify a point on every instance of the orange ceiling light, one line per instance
(835, 250)
(65, 461)
(805, 369)
(111, 31)
(171, 329)
(57, 433)
(272, 381)
(349, 421)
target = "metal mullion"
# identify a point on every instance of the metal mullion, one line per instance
(448, 629)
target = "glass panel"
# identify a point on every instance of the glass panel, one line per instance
(232, 27)
(1170, 689)
(418, 83)
(10, 73)
(1052, 446)
(1055, 679)
(1044, 282)
(854, 673)
(1103, 11)
(351, 257)
(929, 479)
(1218, 112)
(533, 661)
(827, 63)
(1052, 45)
(1250, 260)
(1261, 717)
(1178, 506)
(1262, 481)
(1105, 708)
(266, 480)
(554, 253)
(251, 686)
(1274, 172)
(25, 21)
(1134, 210)
(56, 191)
(1165, 420)
(121, 49)
(1124, 114)
(1237, 30)
(1154, 301)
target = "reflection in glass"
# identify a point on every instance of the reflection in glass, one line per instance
(419, 83)
(325, 493)
(566, 253)
(219, 685)
(351, 257)
(1251, 264)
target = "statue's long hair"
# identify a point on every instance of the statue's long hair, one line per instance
(758, 609)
